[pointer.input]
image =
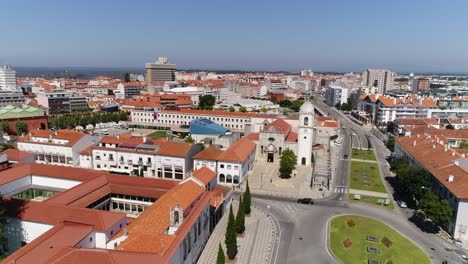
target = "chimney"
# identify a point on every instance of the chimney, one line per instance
(144, 139)
(433, 146)
(394, 100)
(414, 143)
(463, 155)
(118, 136)
(453, 153)
(56, 132)
(451, 178)
(445, 148)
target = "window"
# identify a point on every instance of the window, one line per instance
(228, 167)
(221, 166)
(91, 239)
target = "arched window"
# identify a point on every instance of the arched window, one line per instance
(222, 178)
(229, 178)
(306, 121)
(236, 179)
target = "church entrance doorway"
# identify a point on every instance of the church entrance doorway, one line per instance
(303, 161)
(270, 157)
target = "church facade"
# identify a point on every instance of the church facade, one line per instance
(278, 135)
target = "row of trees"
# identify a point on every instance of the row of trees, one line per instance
(20, 127)
(288, 162)
(344, 107)
(235, 226)
(416, 182)
(71, 121)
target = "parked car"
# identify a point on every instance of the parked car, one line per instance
(306, 201)
(345, 156)
(402, 204)
(447, 261)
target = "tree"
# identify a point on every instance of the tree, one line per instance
(21, 127)
(296, 105)
(247, 201)
(264, 110)
(189, 139)
(439, 211)
(413, 181)
(288, 162)
(221, 259)
(206, 101)
(285, 103)
(338, 106)
(4, 126)
(240, 217)
(242, 109)
(231, 236)
(449, 126)
(232, 109)
(3, 239)
(391, 143)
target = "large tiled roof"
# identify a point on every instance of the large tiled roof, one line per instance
(279, 125)
(147, 233)
(71, 135)
(174, 149)
(210, 113)
(239, 151)
(17, 155)
(210, 153)
(439, 160)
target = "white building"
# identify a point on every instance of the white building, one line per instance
(336, 95)
(139, 155)
(61, 147)
(305, 134)
(231, 165)
(7, 78)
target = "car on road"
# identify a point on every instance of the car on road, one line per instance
(447, 261)
(402, 204)
(352, 133)
(345, 157)
(305, 201)
(465, 258)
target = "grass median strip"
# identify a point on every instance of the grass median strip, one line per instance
(366, 176)
(363, 154)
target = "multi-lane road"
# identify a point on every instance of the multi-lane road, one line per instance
(303, 228)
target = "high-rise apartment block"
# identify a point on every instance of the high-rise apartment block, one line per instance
(160, 70)
(7, 78)
(336, 95)
(382, 80)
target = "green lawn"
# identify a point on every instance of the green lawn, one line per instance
(363, 154)
(371, 200)
(366, 176)
(400, 249)
(161, 134)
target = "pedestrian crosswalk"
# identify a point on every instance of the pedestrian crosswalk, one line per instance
(341, 189)
(291, 209)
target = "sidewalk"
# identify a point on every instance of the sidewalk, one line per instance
(254, 246)
(369, 193)
(368, 161)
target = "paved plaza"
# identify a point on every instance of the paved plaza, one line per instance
(254, 246)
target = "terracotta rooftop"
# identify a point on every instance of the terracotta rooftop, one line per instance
(279, 125)
(210, 153)
(439, 161)
(238, 151)
(17, 155)
(70, 135)
(174, 149)
(204, 174)
(147, 233)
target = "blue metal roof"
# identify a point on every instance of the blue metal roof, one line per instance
(203, 126)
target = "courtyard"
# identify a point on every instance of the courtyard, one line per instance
(358, 239)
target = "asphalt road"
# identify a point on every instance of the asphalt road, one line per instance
(304, 230)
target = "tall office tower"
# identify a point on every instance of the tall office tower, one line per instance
(7, 78)
(381, 79)
(420, 84)
(160, 70)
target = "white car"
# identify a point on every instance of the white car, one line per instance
(402, 204)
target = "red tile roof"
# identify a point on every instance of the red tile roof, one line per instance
(204, 174)
(253, 136)
(210, 153)
(280, 126)
(71, 135)
(239, 151)
(17, 155)
(174, 149)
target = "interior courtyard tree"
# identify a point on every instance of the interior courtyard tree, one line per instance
(288, 162)
(240, 217)
(206, 101)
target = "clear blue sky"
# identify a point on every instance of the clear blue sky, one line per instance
(327, 35)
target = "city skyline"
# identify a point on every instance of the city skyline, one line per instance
(260, 36)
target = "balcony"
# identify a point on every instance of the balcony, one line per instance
(140, 163)
(130, 162)
(122, 162)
